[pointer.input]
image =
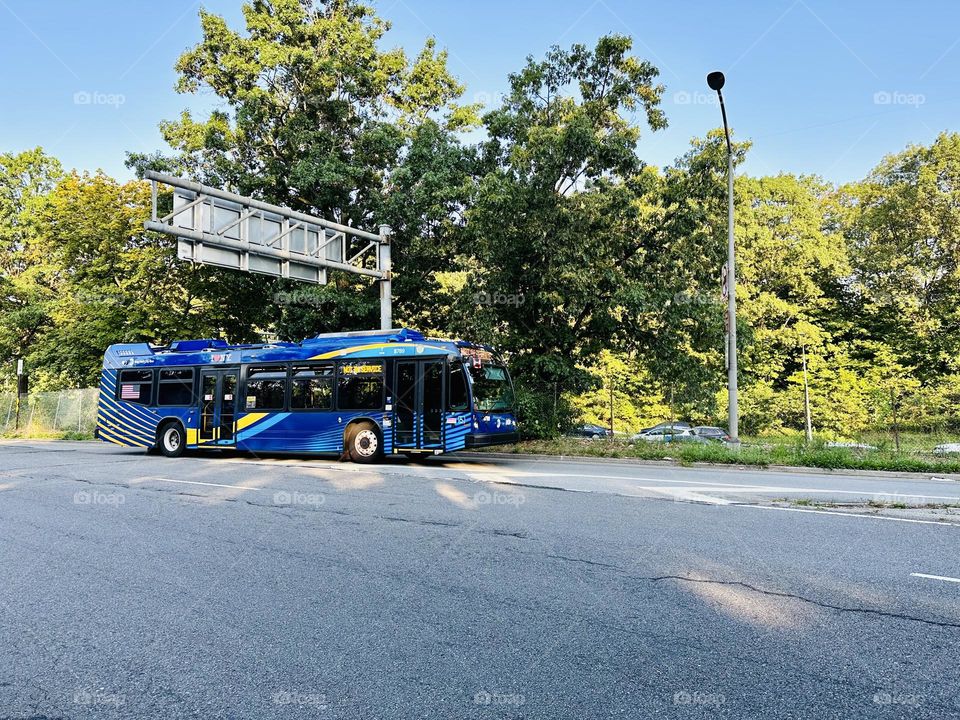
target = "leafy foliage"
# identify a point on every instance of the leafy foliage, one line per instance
(560, 214)
(545, 233)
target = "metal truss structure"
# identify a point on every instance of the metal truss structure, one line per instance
(216, 227)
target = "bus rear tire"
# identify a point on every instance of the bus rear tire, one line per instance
(363, 443)
(172, 439)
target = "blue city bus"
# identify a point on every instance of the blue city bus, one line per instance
(362, 395)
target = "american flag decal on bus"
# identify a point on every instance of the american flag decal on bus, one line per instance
(129, 392)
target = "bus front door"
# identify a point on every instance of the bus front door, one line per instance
(218, 403)
(418, 405)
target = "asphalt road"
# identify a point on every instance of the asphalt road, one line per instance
(219, 587)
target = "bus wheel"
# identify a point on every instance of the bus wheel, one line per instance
(172, 439)
(363, 443)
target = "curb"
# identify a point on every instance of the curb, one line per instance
(732, 467)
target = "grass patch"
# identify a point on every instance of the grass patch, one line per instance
(40, 434)
(752, 453)
(911, 442)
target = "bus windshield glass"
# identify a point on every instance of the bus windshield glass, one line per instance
(492, 390)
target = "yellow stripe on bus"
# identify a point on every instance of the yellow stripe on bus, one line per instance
(119, 426)
(374, 346)
(119, 439)
(120, 419)
(135, 424)
(101, 431)
(248, 420)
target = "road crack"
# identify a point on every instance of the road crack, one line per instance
(762, 591)
(801, 598)
(585, 562)
(416, 521)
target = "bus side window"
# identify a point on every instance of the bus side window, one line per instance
(458, 398)
(175, 387)
(135, 386)
(311, 387)
(360, 385)
(266, 387)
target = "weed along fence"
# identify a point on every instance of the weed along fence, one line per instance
(50, 413)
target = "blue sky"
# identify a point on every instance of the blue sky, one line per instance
(819, 86)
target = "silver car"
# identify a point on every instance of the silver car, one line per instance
(668, 434)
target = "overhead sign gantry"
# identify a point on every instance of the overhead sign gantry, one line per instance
(215, 227)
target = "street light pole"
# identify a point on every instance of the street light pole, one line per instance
(806, 399)
(716, 80)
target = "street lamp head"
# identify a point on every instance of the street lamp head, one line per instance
(715, 80)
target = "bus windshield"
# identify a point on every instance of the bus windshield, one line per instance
(492, 390)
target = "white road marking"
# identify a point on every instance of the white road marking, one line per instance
(741, 488)
(746, 487)
(505, 475)
(197, 482)
(845, 514)
(703, 485)
(676, 493)
(679, 493)
(935, 577)
(688, 495)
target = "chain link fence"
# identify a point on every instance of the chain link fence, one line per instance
(50, 413)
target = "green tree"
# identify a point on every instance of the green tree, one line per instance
(319, 118)
(559, 215)
(676, 317)
(791, 261)
(902, 226)
(425, 204)
(92, 276)
(638, 400)
(25, 180)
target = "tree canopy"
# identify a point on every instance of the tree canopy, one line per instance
(533, 224)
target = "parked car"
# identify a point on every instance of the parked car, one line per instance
(589, 430)
(711, 432)
(676, 425)
(849, 445)
(668, 434)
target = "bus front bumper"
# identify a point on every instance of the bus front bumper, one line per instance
(482, 439)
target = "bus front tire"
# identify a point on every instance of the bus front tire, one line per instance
(363, 443)
(172, 439)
